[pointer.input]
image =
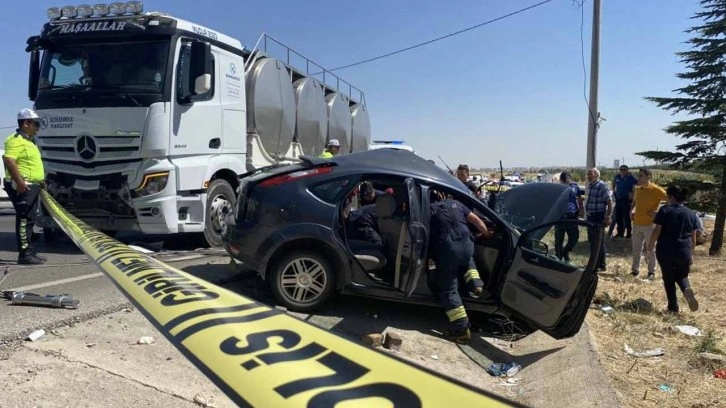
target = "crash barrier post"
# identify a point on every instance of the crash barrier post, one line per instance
(256, 355)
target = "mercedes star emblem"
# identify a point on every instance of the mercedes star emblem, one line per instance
(86, 147)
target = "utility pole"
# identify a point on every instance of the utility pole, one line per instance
(593, 115)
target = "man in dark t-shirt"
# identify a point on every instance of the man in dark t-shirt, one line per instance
(675, 234)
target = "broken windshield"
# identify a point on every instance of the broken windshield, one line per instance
(534, 204)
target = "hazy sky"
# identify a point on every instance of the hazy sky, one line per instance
(511, 90)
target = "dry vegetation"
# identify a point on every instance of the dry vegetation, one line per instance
(638, 321)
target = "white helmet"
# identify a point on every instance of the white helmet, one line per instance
(333, 142)
(27, 114)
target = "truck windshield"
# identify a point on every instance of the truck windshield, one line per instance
(121, 68)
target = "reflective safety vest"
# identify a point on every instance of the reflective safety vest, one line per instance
(27, 157)
(326, 155)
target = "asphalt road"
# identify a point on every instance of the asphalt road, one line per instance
(69, 271)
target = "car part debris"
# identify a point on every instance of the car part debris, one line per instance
(34, 299)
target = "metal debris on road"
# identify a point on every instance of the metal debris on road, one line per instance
(434, 356)
(34, 299)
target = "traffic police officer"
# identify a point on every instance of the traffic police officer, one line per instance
(452, 250)
(24, 175)
(331, 150)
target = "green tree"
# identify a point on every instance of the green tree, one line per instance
(703, 99)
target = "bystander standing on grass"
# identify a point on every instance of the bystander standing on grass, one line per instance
(675, 234)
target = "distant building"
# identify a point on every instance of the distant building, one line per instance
(616, 164)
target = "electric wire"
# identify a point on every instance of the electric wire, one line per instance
(443, 36)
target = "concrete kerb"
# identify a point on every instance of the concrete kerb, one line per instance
(571, 376)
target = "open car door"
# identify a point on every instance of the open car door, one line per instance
(549, 293)
(416, 238)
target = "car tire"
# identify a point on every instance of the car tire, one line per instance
(309, 280)
(221, 200)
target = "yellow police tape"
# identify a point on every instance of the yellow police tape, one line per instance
(256, 355)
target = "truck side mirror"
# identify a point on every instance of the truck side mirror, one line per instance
(200, 67)
(33, 74)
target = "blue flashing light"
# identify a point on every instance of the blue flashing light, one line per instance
(393, 142)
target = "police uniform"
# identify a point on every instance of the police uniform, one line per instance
(452, 249)
(22, 148)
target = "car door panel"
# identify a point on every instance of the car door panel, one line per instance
(416, 236)
(548, 293)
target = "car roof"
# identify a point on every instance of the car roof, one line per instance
(394, 161)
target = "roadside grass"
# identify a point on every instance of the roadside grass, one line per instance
(638, 321)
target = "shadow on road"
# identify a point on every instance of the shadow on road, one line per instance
(485, 353)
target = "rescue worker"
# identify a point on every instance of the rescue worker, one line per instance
(367, 193)
(452, 248)
(24, 177)
(331, 150)
(363, 225)
(462, 173)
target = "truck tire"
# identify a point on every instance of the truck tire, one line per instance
(220, 202)
(302, 280)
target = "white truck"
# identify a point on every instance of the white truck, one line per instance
(148, 120)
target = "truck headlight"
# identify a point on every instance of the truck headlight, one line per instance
(153, 183)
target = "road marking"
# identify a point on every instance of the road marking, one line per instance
(58, 282)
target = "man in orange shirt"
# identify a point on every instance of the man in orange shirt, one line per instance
(645, 205)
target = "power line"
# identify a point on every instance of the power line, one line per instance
(444, 36)
(582, 54)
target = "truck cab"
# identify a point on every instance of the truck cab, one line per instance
(145, 118)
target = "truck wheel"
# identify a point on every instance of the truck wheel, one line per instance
(302, 280)
(220, 202)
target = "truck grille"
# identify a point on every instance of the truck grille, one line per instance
(107, 147)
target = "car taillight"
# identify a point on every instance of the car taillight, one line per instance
(277, 180)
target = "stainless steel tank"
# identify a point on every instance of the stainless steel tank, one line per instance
(271, 105)
(360, 128)
(311, 121)
(339, 122)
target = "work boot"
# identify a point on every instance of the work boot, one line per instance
(33, 252)
(459, 331)
(28, 258)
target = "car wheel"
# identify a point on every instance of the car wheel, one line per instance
(220, 202)
(302, 280)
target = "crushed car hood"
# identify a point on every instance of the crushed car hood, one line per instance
(534, 204)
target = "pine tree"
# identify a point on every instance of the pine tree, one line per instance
(704, 98)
